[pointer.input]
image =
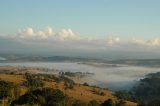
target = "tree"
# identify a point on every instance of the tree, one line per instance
(41, 96)
(123, 95)
(41, 100)
(16, 91)
(5, 89)
(121, 103)
(93, 103)
(154, 103)
(53, 97)
(27, 98)
(147, 89)
(79, 103)
(32, 82)
(108, 102)
(86, 84)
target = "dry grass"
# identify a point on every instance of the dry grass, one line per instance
(128, 103)
(85, 94)
(17, 79)
(79, 92)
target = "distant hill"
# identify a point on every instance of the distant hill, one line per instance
(23, 58)
(39, 58)
(148, 89)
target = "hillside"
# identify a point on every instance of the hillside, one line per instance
(74, 91)
(148, 89)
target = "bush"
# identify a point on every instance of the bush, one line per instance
(93, 103)
(41, 96)
(123, 95)
(32, 82)
(86, 84)
(27, 98)
(148, 89)
(79, 103)
(121, 103)
(70, 74)
(154, 103)
(98, 92)
(5, 89)
(66, 80)
(108, 102)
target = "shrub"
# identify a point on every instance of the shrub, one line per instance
(154, 103)
(86, 84)
(41, 96)
(123, 95)
(32, 82)
(79, 103)
(5, 89)
(121, 103)
(108, 102)
(98, 92)
(93, 103)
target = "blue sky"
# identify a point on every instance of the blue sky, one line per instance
(97, 28)
(122, 18)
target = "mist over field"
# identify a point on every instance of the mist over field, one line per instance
(120, 77)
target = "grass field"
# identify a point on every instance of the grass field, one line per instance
(79, 91)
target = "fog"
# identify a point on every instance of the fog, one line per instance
(1, 58)
(119, 77)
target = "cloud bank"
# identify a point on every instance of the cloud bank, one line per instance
(67, 42)
(48, 33)
(152, 42)
(68, 34)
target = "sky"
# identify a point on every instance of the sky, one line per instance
(89, 25)
(123, 18)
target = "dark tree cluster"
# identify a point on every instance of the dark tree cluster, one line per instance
(123, 95)
(41, 97)
(5, 89)
(147, 91)
(32, 82)
(98, 92)
(110, 102)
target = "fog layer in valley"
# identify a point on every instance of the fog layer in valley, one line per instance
(119, 77)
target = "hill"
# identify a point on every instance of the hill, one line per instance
(73, 91)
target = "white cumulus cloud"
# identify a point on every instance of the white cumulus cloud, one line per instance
(30, 33)
(113, 40)
(66, 34)
(49, 31)
(151, 42)
(69, 35)
(47, 34)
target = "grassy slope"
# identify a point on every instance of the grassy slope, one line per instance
(79, 92)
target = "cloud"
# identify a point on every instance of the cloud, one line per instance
(151, 42)
(113, 40)
(66, 34)
(67, 37)
(67, 41)
(30, 33)
(48, 33)
(26, 32)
